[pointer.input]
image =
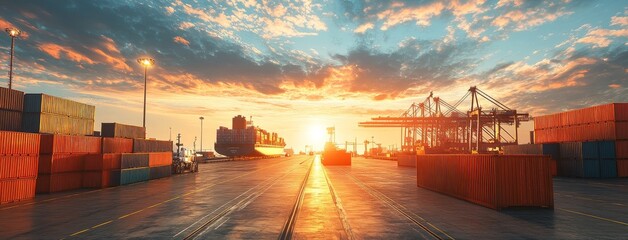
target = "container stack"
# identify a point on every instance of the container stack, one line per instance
(156, 161)
(11, 105)
(48, 114)
(549, 149)
(19, 153)
(590, 139)
(103, 170)
(62, 159)
(494, 181)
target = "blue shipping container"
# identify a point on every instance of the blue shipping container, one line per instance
(608, 168)
(591, 168)
(134, 175)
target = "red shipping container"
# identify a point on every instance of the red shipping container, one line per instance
(99, 162)
(16, 166)
(14, 190)
(159, 159)
(622, 167)
(494, 181)
(612, 112)
(53, 143)
(117, 145)
(101, 179)
(10, 120)
(62, 162)
(621, 149)
(57, 182)
(19, 143)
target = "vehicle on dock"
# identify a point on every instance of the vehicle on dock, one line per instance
(184, 159)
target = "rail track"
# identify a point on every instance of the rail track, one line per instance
(426, 229)
(204, 224)
(288, 227)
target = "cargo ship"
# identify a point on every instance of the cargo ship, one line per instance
(246, 140)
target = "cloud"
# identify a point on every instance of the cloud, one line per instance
(56, 51)
(619, 20)
(362, 28)
(181, 40)
(602, 37)
(421, 15)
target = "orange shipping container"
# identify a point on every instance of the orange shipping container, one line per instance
(61, 162)
(49, 183)
(100, 162)
(494, 181)
(19, 143)
(52, 143)
(16, 166)
(101, 179)
(117, 145)
(603, 113)
(159, 159)
(17, 189)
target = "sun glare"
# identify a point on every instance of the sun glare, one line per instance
(317, 136)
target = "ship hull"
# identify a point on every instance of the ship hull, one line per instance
(248, 150)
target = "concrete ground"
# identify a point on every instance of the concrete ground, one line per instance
(255, 199)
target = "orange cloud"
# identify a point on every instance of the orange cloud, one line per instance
(614, 86)
(421, 15)
(362, 28)
(181, 40)
(56, 50)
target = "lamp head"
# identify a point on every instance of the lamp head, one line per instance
(146, 62)
(13, 32)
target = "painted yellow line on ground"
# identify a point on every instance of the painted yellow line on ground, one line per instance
(79, 232)
(593, 216)
(102, 224)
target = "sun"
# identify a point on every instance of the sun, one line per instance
(316, 136)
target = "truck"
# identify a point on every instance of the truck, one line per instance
(184, 159)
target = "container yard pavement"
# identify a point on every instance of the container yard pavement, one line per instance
(256, 198)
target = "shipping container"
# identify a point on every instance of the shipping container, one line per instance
(56, 124)
(100, 162)
(159, 159)
(61, 162)
(117, 145)
(622, 167)
(587, 132)
(53, 143)
(19, 143)
(101, 179)
(494, 181)
(146, 146)
(18, 166)
(406, 160)
(339, 157)
(13, 190)
(613, 112)
(588, 159)
(57, 182)
(118, 130)
(160, 172)
(549, 149)
(134, 175)
(134, 160)
(11, 99)
(10, 120)
(42, 103)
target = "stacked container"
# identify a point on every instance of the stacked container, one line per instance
(591, 140)
(494, 181)
(406, 160)
(11, 104)
(158, 161)
(549, 149)
(134, 168)
(19, 153)
(103, 170)
(48, 114)
(117, 130)
(61, 161)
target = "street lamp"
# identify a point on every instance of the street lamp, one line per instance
(146, 62)
(201, 118)
(13, 33)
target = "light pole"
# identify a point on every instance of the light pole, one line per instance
(13, 33)
(146, 62)
(201, 118)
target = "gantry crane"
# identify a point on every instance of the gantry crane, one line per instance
(434, 125)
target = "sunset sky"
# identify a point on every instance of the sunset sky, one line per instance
(300, 66)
